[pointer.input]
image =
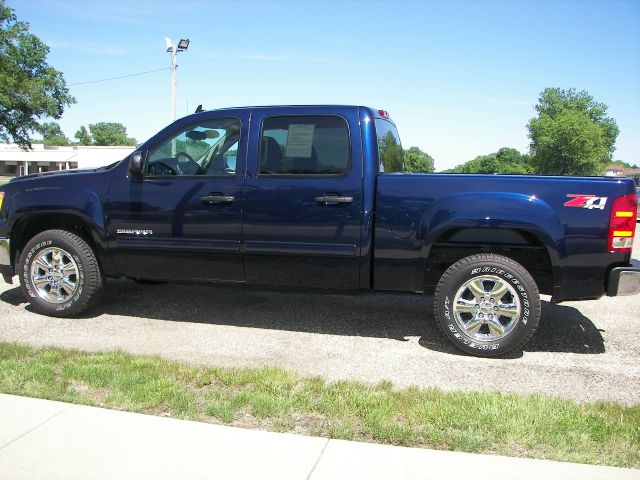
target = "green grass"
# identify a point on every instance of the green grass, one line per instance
(273, 399)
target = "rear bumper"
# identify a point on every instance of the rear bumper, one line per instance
(6, 269)
(624, 281)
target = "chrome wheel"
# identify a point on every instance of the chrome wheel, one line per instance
(486, 308)
(54, 275)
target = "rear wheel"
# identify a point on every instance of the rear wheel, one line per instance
(59, 273)
(487, 305)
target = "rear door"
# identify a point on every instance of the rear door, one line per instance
(303, 198)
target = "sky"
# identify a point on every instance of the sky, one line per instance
(459, 78)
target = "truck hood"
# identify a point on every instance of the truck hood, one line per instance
(55, 173)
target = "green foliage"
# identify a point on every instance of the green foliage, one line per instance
(572, 134)
(274, 399)
(391, 154)
(52, 134)
(504, 161)
(29, 88)
(57, 141)
(83, 136)
(417, 161)
(625, 164)
(105, 133)
(50, 130)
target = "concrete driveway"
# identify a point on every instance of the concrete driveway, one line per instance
(585, 351)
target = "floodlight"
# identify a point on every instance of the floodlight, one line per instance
(183, 44)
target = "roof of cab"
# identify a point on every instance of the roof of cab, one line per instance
(374, 111)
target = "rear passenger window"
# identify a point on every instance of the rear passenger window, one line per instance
(304, 145)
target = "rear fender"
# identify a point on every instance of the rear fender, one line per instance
(495, 210)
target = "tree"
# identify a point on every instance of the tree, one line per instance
(109, 133)
(30, 89)
(52, 134)
(511, 161)
(417, 161)
(620, 163)
(504, 161)
(572, 134)
(83, 136)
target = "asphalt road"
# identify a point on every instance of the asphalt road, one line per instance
(585, 351)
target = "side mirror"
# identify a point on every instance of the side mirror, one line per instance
(135, 166)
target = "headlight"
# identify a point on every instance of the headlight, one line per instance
(1, 199)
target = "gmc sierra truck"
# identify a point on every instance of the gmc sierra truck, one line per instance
(315, 197)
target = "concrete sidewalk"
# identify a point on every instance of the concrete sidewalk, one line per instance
(41, 439)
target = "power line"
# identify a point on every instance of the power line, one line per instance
(122, 76)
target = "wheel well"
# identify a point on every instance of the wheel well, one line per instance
(28, 228)
(523, 247)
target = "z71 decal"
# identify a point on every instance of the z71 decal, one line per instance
(586, 201)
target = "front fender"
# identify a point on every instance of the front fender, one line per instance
(48, 202)
(78, 201)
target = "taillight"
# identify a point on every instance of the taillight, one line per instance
(622, 225)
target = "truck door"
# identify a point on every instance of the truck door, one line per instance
(182, 221)
(303, 200)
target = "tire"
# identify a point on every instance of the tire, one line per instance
(487, 305)
(59, 273)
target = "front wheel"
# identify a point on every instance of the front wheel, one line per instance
(59, 273)
(487, 305)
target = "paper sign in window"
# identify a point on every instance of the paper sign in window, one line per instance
(300, 141)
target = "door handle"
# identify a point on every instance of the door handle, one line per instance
(217, 199)
(333, 199)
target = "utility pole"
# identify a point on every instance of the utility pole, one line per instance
(173, 49)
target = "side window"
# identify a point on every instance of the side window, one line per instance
(304, 145)
(389, 147)
(206, 148)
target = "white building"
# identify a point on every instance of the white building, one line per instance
(619, 170)
(14, 161)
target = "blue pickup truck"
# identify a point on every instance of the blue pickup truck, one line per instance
(315, 197)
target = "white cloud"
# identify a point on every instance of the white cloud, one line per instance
(89, 47)
(139, 12)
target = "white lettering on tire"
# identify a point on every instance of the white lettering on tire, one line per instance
(520, 290)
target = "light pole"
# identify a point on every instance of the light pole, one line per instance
(183, 44)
